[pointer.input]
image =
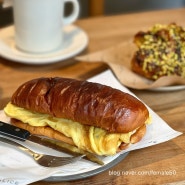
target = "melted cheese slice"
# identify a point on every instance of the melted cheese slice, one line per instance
(90, 138)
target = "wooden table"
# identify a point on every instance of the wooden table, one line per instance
(104, 32)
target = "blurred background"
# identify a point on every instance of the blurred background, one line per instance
(110, 7)
(106, 7)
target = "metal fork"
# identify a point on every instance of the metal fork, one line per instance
(43, 159)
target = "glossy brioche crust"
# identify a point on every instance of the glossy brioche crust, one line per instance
(85, 102)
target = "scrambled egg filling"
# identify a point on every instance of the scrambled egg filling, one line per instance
(90, 138)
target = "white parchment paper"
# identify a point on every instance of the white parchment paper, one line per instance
(16, 168)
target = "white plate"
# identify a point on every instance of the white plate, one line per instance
(75, 40)
(169, 88)
(60, 177)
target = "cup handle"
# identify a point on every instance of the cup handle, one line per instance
(74, 15)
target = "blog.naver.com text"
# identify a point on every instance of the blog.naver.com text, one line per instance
(143, 172)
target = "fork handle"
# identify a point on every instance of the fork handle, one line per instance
(17, 145)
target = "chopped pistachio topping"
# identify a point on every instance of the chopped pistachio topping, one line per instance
(163, 50)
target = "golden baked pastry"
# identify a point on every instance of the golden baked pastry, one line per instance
(161, 52)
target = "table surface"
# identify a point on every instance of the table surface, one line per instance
(103, 32)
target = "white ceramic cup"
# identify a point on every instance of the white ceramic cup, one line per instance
(39, 24)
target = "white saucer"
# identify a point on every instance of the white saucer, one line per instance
(75, 40)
